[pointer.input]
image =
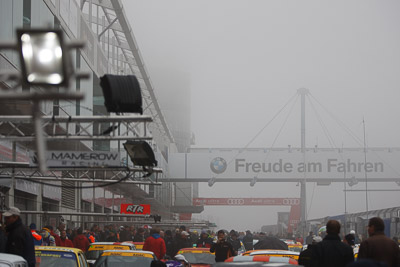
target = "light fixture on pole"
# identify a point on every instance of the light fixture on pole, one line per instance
(141, 154)
(45, 62)
(43, 57)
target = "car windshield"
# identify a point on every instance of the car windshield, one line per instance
(198, 258)
(55, 258)
(93, 254)
(295, 249)
(123, 261)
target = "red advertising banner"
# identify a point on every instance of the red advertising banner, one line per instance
(294, 218)
(141, 209)
(246, 201)
(185, 216)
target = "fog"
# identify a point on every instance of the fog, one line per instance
(246, 59)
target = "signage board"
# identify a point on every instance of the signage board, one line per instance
(77, 158)
(286, 163)
(246, 201)
(142, 209)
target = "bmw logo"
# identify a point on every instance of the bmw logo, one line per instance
(218, 165)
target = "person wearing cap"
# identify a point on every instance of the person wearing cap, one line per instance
(355, 237)
(332, 252)
(305, 255)
(349, 240)
(47, 238)
(248, 241)
(183, 241)
(155, 244)
(56, 236)
(204, 241)
(378, 246)
(20, 240)
(182, 260)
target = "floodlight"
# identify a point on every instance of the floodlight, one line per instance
(43, 60)
(141, 153)
(121, 93)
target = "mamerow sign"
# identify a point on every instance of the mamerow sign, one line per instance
(78, 158)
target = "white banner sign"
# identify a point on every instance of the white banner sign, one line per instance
(284, 163)
(77, 158)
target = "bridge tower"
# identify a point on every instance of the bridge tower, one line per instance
(303, 92)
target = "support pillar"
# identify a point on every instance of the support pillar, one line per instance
(303, 194)
(11, 192)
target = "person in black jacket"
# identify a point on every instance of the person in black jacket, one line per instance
(248, 240)
(20, 240)
(204, 241)
(222, 248)
(139, 237)
(169, 244)
(305, 255)
(125, 234)
(332, 252)
(182, 241)
(235, 242)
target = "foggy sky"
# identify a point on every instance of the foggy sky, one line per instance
(246, 59)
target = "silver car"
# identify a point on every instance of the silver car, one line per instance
(11, 260)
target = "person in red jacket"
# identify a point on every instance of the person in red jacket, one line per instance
(155, 244)
(81, 241)
(64, 241)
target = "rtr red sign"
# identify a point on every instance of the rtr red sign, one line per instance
(141, 209)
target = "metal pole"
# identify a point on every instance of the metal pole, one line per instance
(345, 203)
(365, 171)
(40, 142)
(303, 200)
(11, 193)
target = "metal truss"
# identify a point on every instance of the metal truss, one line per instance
(319, 181)
(84, 175)
(115, 20)
(168, 223)
(18, 128)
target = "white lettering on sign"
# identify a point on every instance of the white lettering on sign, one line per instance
(235, 201)
(134, 209)
(291, 201)
(332, 165)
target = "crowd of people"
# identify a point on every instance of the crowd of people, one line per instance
(322, 251)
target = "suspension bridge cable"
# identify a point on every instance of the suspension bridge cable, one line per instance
(280, 130)
(323, 126)
(340, 123)
(262, 129)
(354, 136)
